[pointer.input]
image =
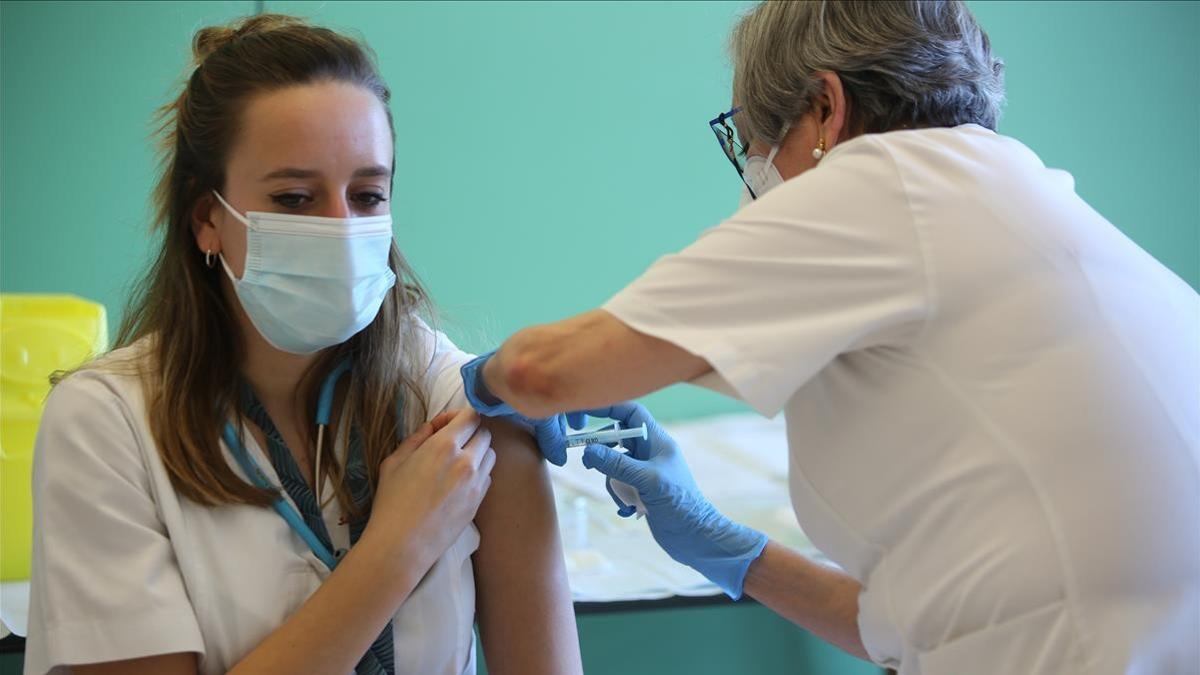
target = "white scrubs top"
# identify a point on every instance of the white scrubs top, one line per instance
(991, 396)
(124, 567)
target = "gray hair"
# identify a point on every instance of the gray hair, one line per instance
(905, 63)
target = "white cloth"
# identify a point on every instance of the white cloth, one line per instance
(125, 567)
(14, 608)
(991, 396)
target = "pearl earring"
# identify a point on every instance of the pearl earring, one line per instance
(819, 151)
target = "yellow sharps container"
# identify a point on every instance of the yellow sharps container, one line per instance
(39, 334)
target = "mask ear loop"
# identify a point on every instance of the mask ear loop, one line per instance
(770, 158)
(762, 173)
(232, 211)
(774, 151)
(324, 412)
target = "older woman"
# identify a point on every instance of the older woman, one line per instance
(990, 392)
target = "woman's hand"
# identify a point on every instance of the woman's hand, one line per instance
(431, 486)
(550, 432)
(429, 490)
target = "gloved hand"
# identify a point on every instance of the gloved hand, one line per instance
(682, 521)
(549, 432)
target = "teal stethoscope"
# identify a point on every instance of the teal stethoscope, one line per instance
(281, 504)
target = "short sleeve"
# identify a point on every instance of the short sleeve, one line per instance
(105, 584)
(441, 379)
(826, 263)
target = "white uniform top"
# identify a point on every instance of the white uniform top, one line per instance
(991, 396)
(125, 567)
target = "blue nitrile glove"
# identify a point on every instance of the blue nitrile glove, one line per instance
(549, 432)
(682, 521)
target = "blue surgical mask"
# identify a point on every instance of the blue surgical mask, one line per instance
(311, 283)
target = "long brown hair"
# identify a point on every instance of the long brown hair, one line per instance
(190, 370)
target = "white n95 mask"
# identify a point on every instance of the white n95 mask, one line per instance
(760, 175)
(309, 282)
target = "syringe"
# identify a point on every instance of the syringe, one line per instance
(606, 436)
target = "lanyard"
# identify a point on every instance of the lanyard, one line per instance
(380, 658)
(256, 475)
(281, 504)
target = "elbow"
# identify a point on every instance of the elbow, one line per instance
(530, 377)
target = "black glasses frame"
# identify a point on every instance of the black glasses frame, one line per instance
(730, 147)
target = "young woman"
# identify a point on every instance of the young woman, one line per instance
(271, 474)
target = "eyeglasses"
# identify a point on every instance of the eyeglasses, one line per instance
(734, 151)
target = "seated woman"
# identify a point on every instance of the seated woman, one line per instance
(270, 474)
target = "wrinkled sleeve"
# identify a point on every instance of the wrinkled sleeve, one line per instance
(825, 264)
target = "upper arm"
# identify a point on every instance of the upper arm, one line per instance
(526, 619)
(523, 600)
(105, 582)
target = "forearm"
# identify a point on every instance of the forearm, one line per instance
(526, 618)
(538, 369)
(819, 599)
(331, 631)
(587, 361)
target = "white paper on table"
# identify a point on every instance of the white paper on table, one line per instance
(739, 461)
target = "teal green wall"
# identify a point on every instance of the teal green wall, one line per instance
(548, 152)
(746, 639)
(1110, 91)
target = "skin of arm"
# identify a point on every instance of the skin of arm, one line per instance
(821, 600)
(526, 618)
(583, 362)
